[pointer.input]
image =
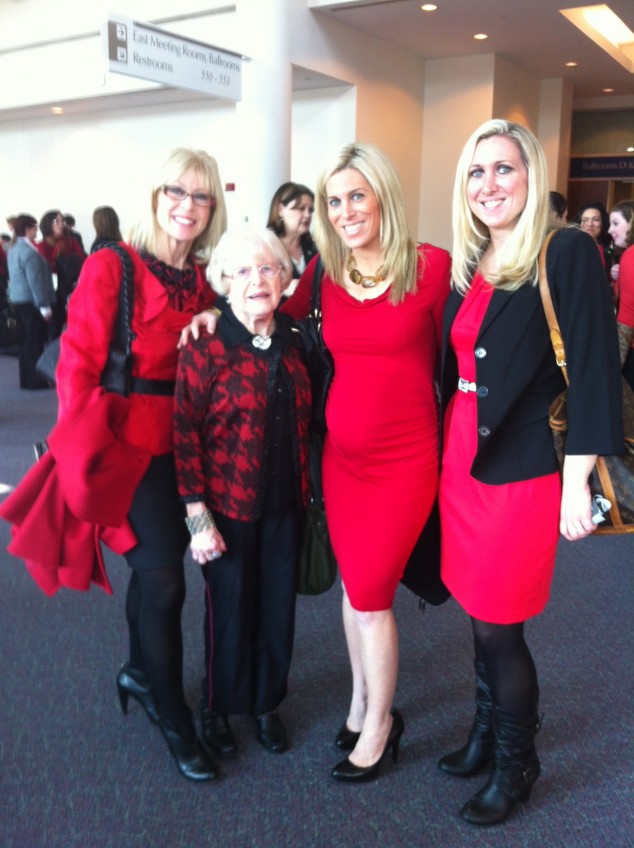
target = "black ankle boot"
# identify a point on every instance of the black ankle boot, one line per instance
(478, 751)
(515, 770)
(192, 759)
(133, 682)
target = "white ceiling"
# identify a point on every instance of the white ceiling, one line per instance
(530, 33)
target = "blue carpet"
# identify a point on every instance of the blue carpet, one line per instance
(75, 773)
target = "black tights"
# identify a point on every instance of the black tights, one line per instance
(510, 669)
(153, 608)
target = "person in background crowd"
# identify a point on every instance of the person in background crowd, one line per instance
(592, 218)
(241, 443)
(622, 232)
(4, 268)
(11, 225)
(65, 257)
(106, 223)
(290, 216)
(502, 501)
(32, 294)
(69, 224)
(169, 251)
(559, 207)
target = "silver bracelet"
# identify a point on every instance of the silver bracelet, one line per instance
(198, 523)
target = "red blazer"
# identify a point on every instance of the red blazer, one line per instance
(76, 496)
(84, 345)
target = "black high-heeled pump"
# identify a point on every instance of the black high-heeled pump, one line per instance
(133, 682)
(346, 739)
(348, 772)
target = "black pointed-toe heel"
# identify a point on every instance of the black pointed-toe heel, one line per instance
(346, 739)
(192, 759)
(133, 682)
(348, 772)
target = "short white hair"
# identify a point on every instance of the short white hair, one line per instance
(245, 242)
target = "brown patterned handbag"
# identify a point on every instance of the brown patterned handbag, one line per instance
(612, 477)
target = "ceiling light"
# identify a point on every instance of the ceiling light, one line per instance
(608, 90)
(57, 110)
(571, 64)
(629, 149)
(607, 30)
(480, 36)
(429, 7)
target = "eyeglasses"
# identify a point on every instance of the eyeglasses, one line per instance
(591, 220)
(200, 198)
(268, 271)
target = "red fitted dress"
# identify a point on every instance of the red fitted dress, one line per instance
(380, 464)
(498, 542)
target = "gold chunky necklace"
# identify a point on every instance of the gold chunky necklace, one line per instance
(366, 281)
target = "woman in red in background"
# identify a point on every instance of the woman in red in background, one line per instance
(169, 251)
(593, 219)
(622, 232)
(66, 256)
(382, 302)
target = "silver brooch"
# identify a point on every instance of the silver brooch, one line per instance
(261, 342)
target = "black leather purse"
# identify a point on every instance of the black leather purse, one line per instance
(319, 361)
(317, 563)
(117, 373)
(10, 329)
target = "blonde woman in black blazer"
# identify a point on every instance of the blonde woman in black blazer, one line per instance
(503, 503)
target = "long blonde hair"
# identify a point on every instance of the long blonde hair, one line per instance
(399, 250)
(471, 237)
(147, 233)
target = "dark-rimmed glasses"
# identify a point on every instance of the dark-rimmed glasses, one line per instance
(200, 198)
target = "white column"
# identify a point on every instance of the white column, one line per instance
(264, 113)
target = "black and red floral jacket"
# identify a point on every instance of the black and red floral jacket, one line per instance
(226, 418)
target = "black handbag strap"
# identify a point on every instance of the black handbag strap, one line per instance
(315, 294)
(117, 373)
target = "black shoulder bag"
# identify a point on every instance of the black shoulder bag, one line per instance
(317, 564)
(319, 362)
(116, 374)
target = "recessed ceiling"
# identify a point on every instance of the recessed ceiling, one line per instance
(533, 34)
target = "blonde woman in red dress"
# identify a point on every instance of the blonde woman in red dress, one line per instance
(382, 302)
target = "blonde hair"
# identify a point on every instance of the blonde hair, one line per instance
(147, 233)
(245, 242)
(471, 237)
(399, 250)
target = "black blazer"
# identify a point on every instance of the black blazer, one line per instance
(517, 377)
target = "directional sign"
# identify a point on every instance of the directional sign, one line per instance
(141, 50)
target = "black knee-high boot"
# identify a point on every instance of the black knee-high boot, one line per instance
(478, 750)
(515, 769)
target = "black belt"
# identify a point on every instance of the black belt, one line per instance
(141, 386)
